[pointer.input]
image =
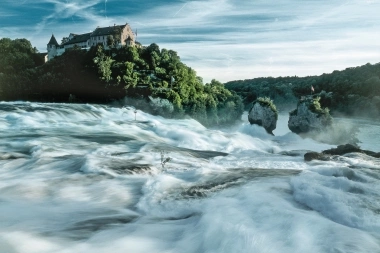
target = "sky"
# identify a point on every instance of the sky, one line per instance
(220, 39)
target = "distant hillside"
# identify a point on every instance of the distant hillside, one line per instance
(353, 91)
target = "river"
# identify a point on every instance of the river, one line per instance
(90, 178)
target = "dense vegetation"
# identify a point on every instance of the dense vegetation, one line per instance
(313, 104)
(353, 91)
(151, 78)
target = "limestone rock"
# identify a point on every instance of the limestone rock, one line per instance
(309, 116)
(263, 113)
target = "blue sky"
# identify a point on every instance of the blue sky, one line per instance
(221, 39)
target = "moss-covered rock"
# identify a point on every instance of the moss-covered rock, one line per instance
(264, 113)
(309, 116)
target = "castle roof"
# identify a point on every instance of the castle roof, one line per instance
(102, 31)
(53, 41)
(78, 39)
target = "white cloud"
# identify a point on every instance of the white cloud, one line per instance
(236, 39)
(82, 14)
(258, 38)
(66, 9)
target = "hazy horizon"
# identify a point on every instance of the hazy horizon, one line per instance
(226, 40)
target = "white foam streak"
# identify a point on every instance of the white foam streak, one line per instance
(90, 178)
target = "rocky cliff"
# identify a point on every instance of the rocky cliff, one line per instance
(309, 116)
(263, 113)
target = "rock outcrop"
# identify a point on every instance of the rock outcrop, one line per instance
(309, 156)
(340, 150)
(309, 116)
(263, 113)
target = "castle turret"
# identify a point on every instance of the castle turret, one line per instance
(52, 47)
(129, 41)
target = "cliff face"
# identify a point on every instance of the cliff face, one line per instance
(309, 117)
(264, 116)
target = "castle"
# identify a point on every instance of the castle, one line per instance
(120, 34)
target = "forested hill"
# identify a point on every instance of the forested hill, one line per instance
(353, 91)
(152, 79)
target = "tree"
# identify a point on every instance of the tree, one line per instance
(143, 73)
(130, 77)
(111, 41)
(104, 64)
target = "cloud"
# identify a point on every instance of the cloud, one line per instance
(235, 40)
(65, 16)
(64, 9)
(230, 39)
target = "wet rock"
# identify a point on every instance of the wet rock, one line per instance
(309, 156)
(309, 116)
(349, 148)
(263, 113)
(342, 149)
(339, 150)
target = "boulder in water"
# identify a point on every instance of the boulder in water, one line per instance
(339, 150)
(263, 113)
(309, 156)
(309, 116)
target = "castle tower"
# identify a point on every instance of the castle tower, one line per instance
(52, 47)
(129, 42)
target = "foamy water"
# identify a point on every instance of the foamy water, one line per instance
(89, 178)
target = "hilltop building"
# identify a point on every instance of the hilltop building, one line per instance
(121, 35)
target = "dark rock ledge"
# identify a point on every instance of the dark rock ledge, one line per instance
(340, 150)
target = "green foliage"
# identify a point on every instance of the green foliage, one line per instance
(168, 86)
(351, 91)
(315, 106)
(111, 41)
(279, 89)
(265, 101)
(151, 72)
(17, 57)
(312, 103)
(104, 64)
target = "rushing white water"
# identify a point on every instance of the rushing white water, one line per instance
(88, 178)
